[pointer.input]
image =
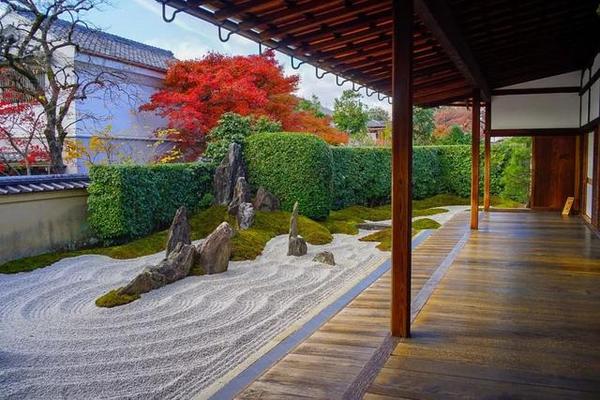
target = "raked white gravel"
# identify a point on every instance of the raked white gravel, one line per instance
(174, 342)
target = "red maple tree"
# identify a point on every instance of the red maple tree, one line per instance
(197, 92)
(447, 117)
(20, 134)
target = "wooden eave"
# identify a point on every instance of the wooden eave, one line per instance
(459, 45)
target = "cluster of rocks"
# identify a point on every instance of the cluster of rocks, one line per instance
(232, 189)
(182, 257)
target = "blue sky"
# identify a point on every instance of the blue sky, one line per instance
(189, 37)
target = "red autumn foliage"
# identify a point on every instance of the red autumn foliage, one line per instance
(447, 117)
(197, 92)
(20, 132)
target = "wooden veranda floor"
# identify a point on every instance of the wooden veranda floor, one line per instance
(342, 357)
(517, 316)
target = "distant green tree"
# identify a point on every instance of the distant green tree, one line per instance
(350, 114)
(313, 106)
(455, 136)
(378, 114)
(517, 173)
(423, 125)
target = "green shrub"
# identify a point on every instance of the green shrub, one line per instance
(361, 176)
(130, 201)
(232, 128)
(294, 167)
(426, 172)
(455, 170)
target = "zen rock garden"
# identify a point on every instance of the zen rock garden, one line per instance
(211, 256)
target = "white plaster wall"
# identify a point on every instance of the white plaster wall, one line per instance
(559, 110)
(132, 129)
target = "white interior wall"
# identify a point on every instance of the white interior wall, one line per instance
(534, 111)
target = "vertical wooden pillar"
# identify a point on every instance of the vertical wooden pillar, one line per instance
(401, 166)
(488, 160)
(475, 160)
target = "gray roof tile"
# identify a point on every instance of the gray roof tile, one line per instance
(95, 42)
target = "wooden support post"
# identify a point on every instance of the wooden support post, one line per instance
(475, 160)
(401, 166)
(488, 155)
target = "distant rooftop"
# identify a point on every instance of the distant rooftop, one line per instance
(102, 44)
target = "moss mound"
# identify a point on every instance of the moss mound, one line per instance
(346, 220)
(384, 236)
(113, 299)
(440, 200)
(428, 211)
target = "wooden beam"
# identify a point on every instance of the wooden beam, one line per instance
(488, 159)
(437, 16)
(401, 167)
(475, 160)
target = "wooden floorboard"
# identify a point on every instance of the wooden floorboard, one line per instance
(332, 360)
(517, 316)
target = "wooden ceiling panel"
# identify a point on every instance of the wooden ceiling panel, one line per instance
(458, 44)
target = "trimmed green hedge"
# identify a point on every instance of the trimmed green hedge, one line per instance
(294, 167)
(361, 176)
(130, 201)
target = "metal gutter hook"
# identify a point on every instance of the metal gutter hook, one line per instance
(317, 73)
(296, 66)
(356, 89)
(380, 98)
(226, 39)
(337, 81)
(367, 92)
(164, 12)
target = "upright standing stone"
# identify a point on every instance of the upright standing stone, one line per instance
(179, 232)
(245, 215)
(227, 174)
(296, 245)
(265, 200)
(213, 254)
(241, 194)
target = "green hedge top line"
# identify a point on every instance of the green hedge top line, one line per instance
(130, 201)
(299, 167)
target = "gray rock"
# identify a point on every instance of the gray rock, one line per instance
(294, 221)
(245, 215)
(297, 245)
(325, 257)
(241, 194)
(213, 254)
(179, 232)
(170, 269)
(266, 201)
(227, 174)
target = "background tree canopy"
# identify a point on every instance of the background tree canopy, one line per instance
(350, 114)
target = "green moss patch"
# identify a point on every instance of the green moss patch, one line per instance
(347, 220)
(440, 200)
(113, 299)
(428, 211)
(384, 236)
(249, 244)
(499, 202)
